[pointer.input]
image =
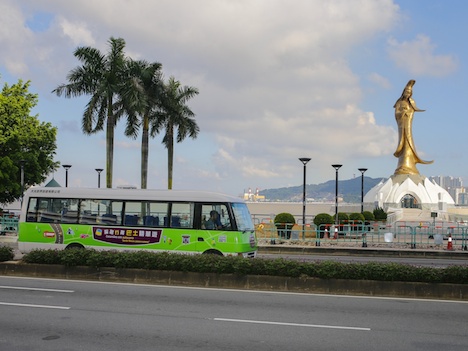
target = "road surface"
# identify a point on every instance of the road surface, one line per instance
(44, 314)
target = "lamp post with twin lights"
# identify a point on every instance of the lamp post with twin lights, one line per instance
(336, 167)
(362, 170)
(304, 161)
(67, 167)
(99, 170)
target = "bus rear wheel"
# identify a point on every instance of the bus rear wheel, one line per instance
(213, 252)
(74, 247)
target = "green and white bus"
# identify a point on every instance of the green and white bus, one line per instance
(134, 219)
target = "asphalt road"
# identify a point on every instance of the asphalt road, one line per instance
(41, 314)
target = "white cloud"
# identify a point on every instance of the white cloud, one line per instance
(78, 32)
(274, 79)
(418, 57)
(15, 38)
(379, 80)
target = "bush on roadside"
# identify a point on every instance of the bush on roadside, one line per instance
(284, 218)
(380, 214)
(356, 217)
(368, 215)
(241, 266)
(323, 218)
(342, 217)
(6, 253)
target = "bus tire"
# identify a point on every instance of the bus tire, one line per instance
(74, 246)
(213, 252)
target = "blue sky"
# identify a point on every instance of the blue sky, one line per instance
(278, 80)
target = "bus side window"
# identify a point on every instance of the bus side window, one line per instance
(182, 215)
(151, 221)
(88, 212)
(223, 221)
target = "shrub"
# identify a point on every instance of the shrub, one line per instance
(368, 216)
(282, 218)
(43, 256)
(323, 218)
(284, 223)
(6, 253)
(380, 214)
(322, 221)
(380, 271)
(358, 217)
(342, 217)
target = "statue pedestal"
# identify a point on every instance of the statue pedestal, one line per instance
(409, 191)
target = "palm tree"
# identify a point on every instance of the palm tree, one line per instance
(174, 115)
(101, 77)
(139, 101)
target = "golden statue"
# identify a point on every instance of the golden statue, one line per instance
(406, 151)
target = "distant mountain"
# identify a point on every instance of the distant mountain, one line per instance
(349, 190)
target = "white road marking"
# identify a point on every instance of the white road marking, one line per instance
(267, 292)
(291, 324)
(35, 289)
(34, 306)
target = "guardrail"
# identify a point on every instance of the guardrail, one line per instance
(8, 225)
(403, 234)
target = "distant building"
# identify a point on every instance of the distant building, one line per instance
(249, 196)
(454, 186)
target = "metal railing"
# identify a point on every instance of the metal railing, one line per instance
(400, 234)
(8, 225)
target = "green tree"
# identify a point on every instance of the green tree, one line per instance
(342, 217)
(140, 101)
(175, 117)
(369, 216)
(323, 218)
(103, 77)
(357, 217)
(24, 140)
(380, 214)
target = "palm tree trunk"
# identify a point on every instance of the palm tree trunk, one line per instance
(109, 144)
(144, 152)
(170, 155)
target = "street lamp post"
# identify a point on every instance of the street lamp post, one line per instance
(22, 179)
(67, 167)
(304, 161)
(362, 170)
(336, 167)
(99, 170)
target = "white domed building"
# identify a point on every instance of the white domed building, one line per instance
(409, 191)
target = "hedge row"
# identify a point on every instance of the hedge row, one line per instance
(6, 253)
(242, 266)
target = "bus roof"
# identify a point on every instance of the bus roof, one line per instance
(130, 194)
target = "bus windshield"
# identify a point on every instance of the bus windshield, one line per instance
(243, 218)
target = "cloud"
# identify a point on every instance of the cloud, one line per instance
(274, 79)
(15, 39)
(77, 31)
(418, 57)
(379, 80)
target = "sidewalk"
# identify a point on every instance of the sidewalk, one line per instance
(8, 239)
(361, 251)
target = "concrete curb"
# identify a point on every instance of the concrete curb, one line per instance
(346, 251)
(232, 281)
